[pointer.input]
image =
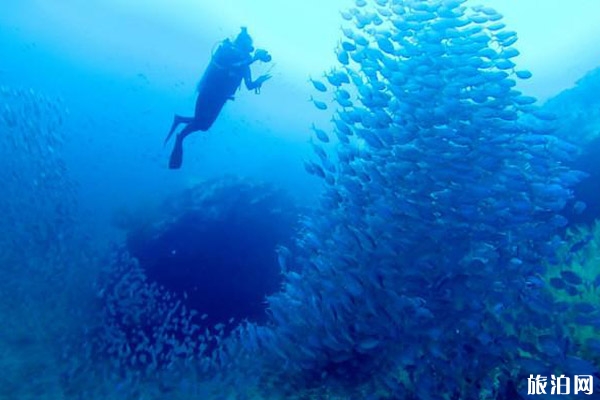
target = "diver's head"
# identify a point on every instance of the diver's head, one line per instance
(243, 41)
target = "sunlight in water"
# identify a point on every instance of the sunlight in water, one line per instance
(301, 35)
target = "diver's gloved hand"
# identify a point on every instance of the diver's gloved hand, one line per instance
(260, 80)
(262, 55)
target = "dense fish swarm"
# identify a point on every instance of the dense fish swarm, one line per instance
(421, 272)
(203, 263)
(42, 288)
(33, 171)
(145, 329)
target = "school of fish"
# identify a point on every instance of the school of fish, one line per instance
(421, 275)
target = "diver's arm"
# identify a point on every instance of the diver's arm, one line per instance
(248, 79)
(254, 85)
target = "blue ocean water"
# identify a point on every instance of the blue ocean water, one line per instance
(406, 209)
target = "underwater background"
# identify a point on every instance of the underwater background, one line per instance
(407, 210)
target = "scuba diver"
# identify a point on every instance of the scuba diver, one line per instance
(229, 65)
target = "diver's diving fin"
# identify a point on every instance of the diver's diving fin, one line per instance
(177, 153)
(177, 119)
(173, 127)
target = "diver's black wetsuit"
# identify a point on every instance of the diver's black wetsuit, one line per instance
(222, 78)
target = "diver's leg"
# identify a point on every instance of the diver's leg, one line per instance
(201, 103)
(177, 119)
(177, 153)
(208, 111)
